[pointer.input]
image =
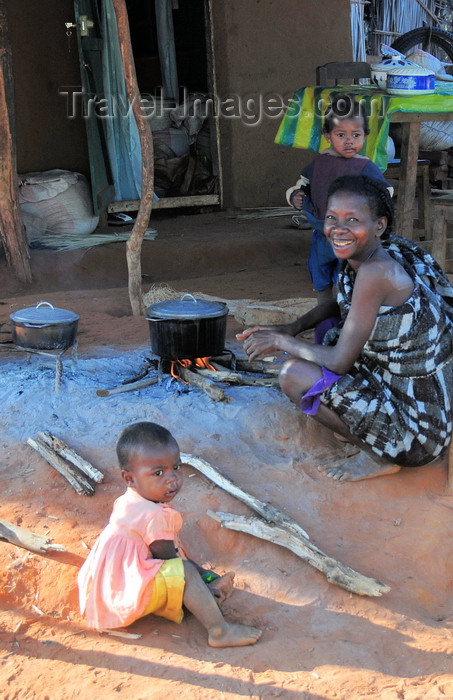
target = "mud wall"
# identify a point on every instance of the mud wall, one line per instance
(45, 60)
(261, 48)
(264, 47)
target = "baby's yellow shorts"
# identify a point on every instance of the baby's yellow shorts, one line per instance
(166, 598)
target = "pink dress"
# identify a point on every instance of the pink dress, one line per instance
(116, 580)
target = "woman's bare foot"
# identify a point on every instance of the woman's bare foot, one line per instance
(357, 467)
(233, 635)
(222, 587)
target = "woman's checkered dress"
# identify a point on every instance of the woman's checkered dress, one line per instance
(397, 396)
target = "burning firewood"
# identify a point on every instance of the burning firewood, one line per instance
(211, 388)
(283, 530)
(244, 365)
(222, 375)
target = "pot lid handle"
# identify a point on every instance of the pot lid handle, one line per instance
(42, 303)
(188, 296)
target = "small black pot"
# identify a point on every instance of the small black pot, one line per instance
(187, 328)
(44, 327)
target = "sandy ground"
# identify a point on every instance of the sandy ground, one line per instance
(319, 640)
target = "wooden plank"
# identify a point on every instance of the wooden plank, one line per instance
(201, 200)
(408, 117)
(408, 178)
(439, 239)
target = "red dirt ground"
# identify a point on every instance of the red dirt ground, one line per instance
(319, 640)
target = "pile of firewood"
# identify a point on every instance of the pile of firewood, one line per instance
(225, 371)
(214, 381)
(76, 470)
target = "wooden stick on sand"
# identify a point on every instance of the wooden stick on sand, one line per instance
(284, 531)
(61, 448)
(27, 540)
(81, 484)
(130, 386)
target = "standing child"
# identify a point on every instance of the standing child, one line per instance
(136, 566)
(345, 127)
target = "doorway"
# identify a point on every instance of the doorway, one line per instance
(173, 61)
(189, 40)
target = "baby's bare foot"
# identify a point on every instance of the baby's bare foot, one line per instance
(233, 636)
(358, 467)
(222, 587)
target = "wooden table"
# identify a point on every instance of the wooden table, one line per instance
(301, 127)
(409, 154)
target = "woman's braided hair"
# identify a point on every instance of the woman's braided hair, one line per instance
(375, 192)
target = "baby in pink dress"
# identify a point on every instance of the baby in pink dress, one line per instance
(137, 566)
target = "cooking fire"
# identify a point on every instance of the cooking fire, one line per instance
(201, 362)
(211, 374)
(188, 339)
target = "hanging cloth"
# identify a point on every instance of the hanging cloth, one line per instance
(166, 46)
(123, 140)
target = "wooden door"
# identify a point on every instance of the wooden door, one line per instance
(88, 29)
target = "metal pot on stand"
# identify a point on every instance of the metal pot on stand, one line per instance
(44, 327)
(187, 328)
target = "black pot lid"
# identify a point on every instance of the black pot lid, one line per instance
(188, 307)
(43, 313)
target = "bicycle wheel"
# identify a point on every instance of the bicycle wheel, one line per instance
(435, 41)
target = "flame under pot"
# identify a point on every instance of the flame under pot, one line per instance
(44, 327)
(187, 328)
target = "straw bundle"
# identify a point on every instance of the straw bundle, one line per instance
(265, 212)
(69, 241)
(160, 292)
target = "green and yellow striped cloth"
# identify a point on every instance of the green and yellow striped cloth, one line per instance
(301, 126)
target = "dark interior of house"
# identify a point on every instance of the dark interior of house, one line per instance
(190, 44)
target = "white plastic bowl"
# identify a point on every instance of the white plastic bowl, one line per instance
(410, 80)
(379, 70)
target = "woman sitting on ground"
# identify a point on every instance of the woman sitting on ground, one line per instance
(383, 378)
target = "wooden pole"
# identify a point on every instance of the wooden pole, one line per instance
(134, 243)
(11, 228)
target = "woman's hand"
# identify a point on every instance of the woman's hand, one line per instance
(261, 340)
(284, 328)
(248, 331)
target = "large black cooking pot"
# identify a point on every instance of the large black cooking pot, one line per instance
(44, 327)
(187, 328)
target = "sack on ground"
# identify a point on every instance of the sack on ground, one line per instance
(56, 201)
